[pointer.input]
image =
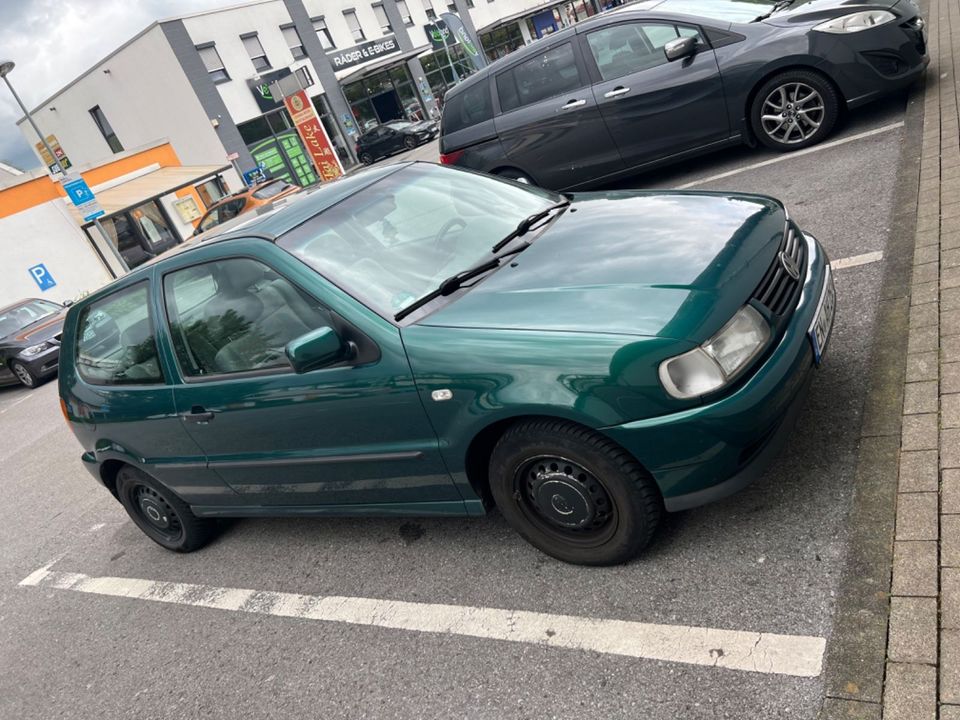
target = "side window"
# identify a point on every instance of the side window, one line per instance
(632, 47)
(468, 108)
(116, 343)
(235, 315)
(230, 210)
(210, 219)
(546, 75)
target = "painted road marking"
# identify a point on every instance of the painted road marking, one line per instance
(856, 260)
(796, 655)
(791, 156)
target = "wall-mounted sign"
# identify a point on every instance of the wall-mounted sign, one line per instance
(82, 197)
(348, 57)
(62, 161)
(314, 137)
(42, 277)
(260, 88)
(187, 209)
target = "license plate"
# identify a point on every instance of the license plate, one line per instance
(823, 319)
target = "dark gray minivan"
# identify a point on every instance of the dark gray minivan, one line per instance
(662, 80)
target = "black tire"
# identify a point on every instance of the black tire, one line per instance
(366, 158)
(516, 176)
(410, 142)
(795, 122)
(161, 515)
(573, 468)
(23, 374)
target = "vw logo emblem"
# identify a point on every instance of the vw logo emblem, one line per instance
(789, 265)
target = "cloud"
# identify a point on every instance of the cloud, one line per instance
(53, 41)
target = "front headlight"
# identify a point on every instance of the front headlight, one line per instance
(855, 22)
(719, 360)
(35, 349)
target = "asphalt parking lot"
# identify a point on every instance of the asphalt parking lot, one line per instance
(765, 561)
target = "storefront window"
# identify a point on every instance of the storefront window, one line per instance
(438, 70)
(384, 96)
(140, 233)
(272, 141)
(211, 191)
(502, 41)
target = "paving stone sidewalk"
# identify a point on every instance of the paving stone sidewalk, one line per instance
(922, 679)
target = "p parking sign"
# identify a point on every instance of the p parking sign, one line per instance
(42, 277)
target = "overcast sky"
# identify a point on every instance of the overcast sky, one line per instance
(53, 41)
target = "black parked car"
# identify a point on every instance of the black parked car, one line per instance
(393, 137)
(30, 341)
(662, 80)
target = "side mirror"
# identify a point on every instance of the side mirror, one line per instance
(315, 349)
(680, 48)
(67, 303)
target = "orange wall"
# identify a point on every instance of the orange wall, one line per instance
(35, 192)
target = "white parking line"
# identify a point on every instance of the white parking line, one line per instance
(791, 156)
(856, 260)
(796, 655)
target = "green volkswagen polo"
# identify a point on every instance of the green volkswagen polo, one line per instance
(423, 340)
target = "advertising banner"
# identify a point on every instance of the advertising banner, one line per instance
(460, 34)
(314, 136)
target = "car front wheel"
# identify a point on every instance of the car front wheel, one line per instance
(161, 515)
(573, 493)
(409, 142)
(366, 158)
(794, 110)
(24, 375)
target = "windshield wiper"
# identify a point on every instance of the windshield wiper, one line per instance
(455, 282)
(777, 7)
(527, 223)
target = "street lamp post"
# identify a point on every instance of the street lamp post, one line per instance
(5, 67)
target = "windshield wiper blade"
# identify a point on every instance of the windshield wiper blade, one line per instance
(455, 282)
(777, 7)
(527, 223)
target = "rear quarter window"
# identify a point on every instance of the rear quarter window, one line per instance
(116, 344)
(468, 108)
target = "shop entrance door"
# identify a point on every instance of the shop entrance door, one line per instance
(387, 106)
(273, 142)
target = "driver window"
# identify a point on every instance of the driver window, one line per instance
(236, 315)
(633, 47)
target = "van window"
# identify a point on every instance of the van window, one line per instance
(116, 343)
(468, 108)
(632, 47)
(546, 75)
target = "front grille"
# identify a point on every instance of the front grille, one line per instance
(778, 290)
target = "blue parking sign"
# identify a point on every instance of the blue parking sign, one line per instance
(42, 277)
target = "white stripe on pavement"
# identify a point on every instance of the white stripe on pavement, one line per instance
(791, 156)
(796, 655)
(855, 260)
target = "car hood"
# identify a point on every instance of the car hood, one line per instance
(670, 265)
(37, 332)
(817, 11)
(423, 126)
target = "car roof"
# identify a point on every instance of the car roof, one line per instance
(275, 223)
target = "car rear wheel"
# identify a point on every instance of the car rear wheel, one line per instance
(366, 158)
(516, 176)
(161, 515)
(794, 110)
(23, 374)
(572, 493)
(409, 142)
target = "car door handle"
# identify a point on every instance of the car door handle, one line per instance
(573, 104)
(617, 92)
(198, 414)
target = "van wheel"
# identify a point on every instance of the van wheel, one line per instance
(516, 176)
(161, 515)
(366, 158)
(794, 110)
(573, 493)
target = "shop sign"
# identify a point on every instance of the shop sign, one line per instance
(342, 59)
(62, 161)
(438, 34)
(260, 87)
(314, 136)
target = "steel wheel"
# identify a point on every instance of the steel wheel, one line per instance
(565, 499)
(792, 113)
(154, 509)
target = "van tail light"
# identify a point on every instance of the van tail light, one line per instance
(451, 157)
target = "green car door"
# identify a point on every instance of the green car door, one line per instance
(351, 431)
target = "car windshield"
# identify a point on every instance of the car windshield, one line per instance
(398, 239)
(742, 11)
(15, 318)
